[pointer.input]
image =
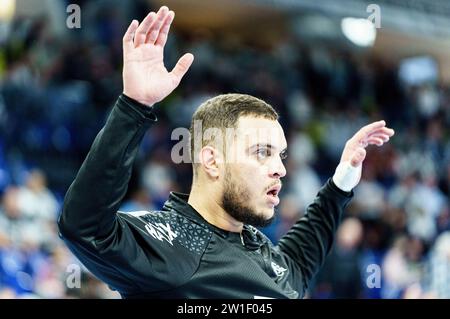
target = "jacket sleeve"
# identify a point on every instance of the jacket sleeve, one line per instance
(309, 241)
(89, 223)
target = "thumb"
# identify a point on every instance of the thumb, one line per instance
(358, 157)
(182, 67)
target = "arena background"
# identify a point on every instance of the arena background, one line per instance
(328, 66)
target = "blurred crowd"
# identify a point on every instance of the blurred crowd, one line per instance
(56, 91)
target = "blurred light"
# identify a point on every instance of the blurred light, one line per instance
(361, 32)
(7, 9)
(419, 70)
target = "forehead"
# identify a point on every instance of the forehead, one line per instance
(261, 130)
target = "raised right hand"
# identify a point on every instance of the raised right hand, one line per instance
(145, 78)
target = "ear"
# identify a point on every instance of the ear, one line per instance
(209, 159)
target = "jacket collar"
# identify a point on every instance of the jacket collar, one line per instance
(251, 238)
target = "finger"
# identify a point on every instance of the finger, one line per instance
(366, 130)
(384, 137)
(144, 27)
(364, 134)
(375, 140)
(162, 38)
(384, 130)
(153, 33)
(374, 126)
(358, 157)
(390, 131)
(181, 68)
(129, 35)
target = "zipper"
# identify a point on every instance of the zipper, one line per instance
(262, 253)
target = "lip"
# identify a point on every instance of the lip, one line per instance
(275, 188)
(274, 200)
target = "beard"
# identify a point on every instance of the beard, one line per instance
(235, 201)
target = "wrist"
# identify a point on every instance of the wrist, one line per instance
(346, 177)
(138, 99)
(133, 101)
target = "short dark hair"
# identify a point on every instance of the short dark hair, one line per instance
(224, 111)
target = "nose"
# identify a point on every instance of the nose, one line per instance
(277, 169)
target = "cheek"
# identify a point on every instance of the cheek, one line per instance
(250, 178)
(263, 171)
(246, 179)
(255, 182)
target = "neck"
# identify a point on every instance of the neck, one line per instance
(207, 204)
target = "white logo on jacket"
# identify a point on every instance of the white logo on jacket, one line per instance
(161, 232)
(279, 271)
(156, 230)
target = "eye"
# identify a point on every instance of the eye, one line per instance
(262, 153)
(283, 155)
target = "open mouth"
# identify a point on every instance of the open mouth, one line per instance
(274, 190)
(272, 194)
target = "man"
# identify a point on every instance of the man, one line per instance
(201, 245)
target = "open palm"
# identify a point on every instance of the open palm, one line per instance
(145, 78)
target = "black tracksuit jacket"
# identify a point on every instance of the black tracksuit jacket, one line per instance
(175, 253)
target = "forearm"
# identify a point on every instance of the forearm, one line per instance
(101, 183)
(309, 241)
